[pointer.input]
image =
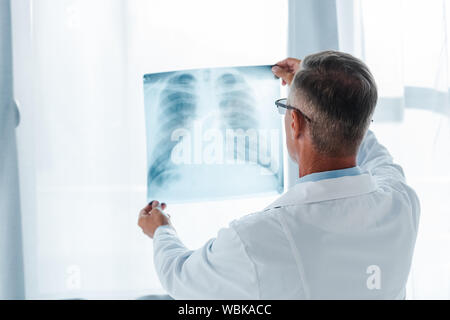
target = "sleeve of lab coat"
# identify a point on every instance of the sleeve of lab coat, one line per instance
(376, 159)
(221, 269)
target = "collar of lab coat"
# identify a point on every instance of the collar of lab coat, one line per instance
(327, 189)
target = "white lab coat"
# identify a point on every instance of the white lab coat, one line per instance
(350, 237)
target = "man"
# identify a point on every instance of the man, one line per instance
(346, 230)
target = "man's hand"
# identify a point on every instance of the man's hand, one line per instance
(287, 69)
(150, 218)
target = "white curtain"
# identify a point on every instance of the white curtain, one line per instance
(405, 44)
(11, 264)
(79, 69)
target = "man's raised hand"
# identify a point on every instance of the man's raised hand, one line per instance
(286, 69)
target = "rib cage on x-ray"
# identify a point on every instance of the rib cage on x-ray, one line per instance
(179, 110)
(237, 105)
(227, 99)
(236, 101)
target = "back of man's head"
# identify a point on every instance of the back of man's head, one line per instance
(338, 92)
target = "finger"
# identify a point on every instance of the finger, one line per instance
(287, 63)
(148, 208)
(155, 204)
(278, 71)
(290, 63)
(156, 211)
(283, 63)
(145, 210)
(284, 74)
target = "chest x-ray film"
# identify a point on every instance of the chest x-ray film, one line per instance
(213, 134)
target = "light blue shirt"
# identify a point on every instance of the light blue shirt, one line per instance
(317, 176)
(344, 234)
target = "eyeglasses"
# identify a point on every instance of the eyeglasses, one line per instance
(282, 106)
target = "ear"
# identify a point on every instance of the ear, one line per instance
(297, 124)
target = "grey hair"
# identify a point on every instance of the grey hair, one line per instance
(339, 94)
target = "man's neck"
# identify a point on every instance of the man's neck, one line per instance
(314, 163)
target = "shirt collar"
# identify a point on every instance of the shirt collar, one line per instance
(327, 189)
(317, 176)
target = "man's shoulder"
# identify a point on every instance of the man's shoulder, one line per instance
(269, 216)
(265, 220)
(263, 236)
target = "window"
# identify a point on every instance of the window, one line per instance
(82, 150)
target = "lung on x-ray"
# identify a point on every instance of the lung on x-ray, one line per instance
(213, 134)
